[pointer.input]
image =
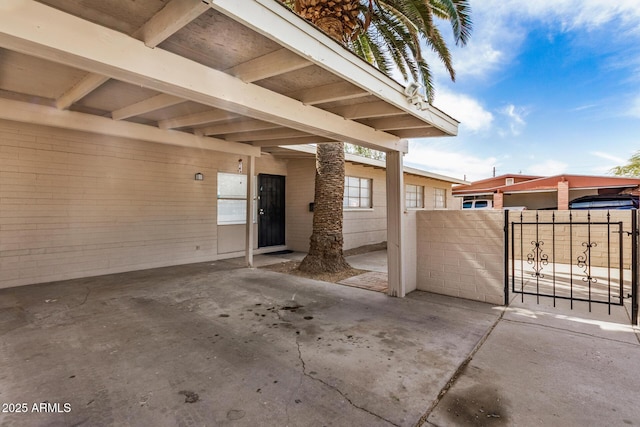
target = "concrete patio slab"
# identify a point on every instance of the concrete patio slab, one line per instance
(371, 261)
(214, 344)
(551, 366)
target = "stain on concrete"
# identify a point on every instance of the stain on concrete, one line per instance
(235, 414)
(480, 405)
(189, 396)
(12, 318)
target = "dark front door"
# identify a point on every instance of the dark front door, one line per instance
(270, 210)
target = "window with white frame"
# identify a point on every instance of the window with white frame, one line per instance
(414, 196)
(232, 199)
(440, 198)
(357, 193)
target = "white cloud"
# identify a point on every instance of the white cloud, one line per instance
(634, 108)
(515, 119)
(607, 156)
(500, 28)
(547, 168)
(448, 161)
(467, 110)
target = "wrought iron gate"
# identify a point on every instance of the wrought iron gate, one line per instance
(583, 256)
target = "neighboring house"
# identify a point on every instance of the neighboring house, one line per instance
(119, 120)
(535, 192)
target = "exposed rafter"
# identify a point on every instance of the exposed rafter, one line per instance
(275, 63)
(395, 123)
(151, 104)
(367, 110)
(273, 21)
(84, 87)
(47, 116)
(163, 24)
(237, 126)
(417, 133)
(171, 18)
(293, 141)
(262, 135)
(197, 119)
(36, 29)
(328, 93)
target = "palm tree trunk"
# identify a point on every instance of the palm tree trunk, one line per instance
(325, 249)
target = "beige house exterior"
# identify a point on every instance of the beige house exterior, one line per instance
(76, 204)
(109, 109)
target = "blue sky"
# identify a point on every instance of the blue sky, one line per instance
(542, 88)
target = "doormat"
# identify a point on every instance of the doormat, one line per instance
(286, 251)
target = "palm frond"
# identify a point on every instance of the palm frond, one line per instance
(390, 34)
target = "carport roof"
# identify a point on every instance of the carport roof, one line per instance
(225, 75)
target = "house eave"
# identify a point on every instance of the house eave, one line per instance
(273, 20)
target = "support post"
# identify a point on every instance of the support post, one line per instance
(634, 267)
(249, 229)
(506, 257)
(395, 201)
(563, 195)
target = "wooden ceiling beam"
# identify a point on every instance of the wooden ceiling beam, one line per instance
(426, 132)
(197, 119)
(154, 103)
(395, 123)
(36, 29)
(272, 64)
(81, 89)
(269, 134)
(163, 24)
(293, 141)
(169, 20)
(367, 110)
(328, 93)
(24, 112)
(237, 127)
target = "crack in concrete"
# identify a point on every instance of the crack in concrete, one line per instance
(452, 380)
(336, 389)
(85, 297)
(305, 374)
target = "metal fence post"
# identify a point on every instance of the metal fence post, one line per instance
(506, 257)
(634, 267)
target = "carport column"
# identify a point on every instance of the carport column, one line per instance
(395, 202)
(498, 200)
(251, 163)
(563, 195)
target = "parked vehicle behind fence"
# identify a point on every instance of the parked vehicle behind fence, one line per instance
(612, 202)
(477, 204)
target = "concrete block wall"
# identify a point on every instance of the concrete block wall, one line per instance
(409, 247)
(461, 254)
(563, 243)
(75, 204)
(300, 186)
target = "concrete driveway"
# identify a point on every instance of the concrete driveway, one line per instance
(214, 344)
